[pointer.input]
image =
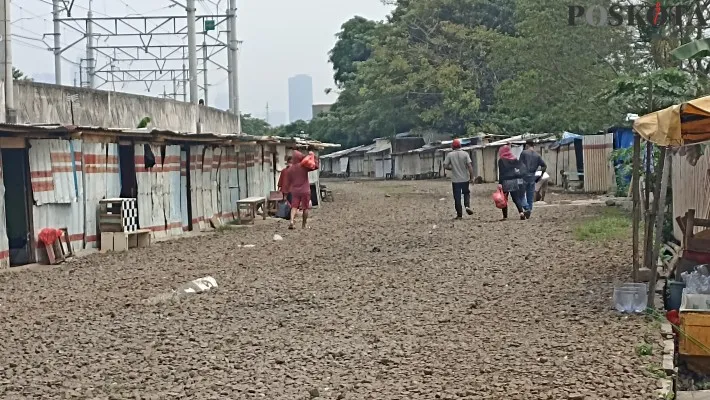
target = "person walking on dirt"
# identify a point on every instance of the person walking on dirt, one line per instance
(510, 177)
(459, 163)
(300, 188)
(532, 161)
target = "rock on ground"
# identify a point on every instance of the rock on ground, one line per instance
(482, 309)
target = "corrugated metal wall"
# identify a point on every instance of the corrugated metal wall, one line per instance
(4, 244)
(159, 193)
(101, 181)
(490, 164)
(56, 175)
(691, 188)
(357, 164)
(228, 185)
(70, 177)
(598, 171)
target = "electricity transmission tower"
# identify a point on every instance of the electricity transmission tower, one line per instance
(152, 49)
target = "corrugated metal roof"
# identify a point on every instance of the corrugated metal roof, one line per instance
(153, 134)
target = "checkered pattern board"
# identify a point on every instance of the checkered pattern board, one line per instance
(126, 208)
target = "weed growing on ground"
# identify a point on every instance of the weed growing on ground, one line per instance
(612, 224)
(644, 349)
(656, 371)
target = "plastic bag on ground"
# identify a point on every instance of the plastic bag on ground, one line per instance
(49, 235)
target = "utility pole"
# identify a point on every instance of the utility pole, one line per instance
(6, 55)
(267, 112)
(185, 80)
(192, 50)
(234, 49)
(230, 67)
(57, 43)
(205, 81)
(90, 61)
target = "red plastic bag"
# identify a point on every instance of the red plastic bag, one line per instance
(500, 198)
(309, 162)
(49, 235)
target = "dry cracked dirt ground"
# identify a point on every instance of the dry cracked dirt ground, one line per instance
(372, 303)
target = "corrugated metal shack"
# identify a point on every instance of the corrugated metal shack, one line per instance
(180, 180)
(690, 181)
(345, 163)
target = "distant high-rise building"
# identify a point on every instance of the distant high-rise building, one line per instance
(300, 98)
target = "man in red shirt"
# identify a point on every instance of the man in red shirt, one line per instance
(300, 188)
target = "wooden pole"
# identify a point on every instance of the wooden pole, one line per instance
(660, 209)
(648, 224)
(648, 228)
(635, 190)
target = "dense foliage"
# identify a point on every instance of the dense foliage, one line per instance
(498, 66)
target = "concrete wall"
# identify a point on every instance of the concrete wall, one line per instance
(45, 103)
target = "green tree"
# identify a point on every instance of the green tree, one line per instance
(19, 75)
(353, 45)
(555, 71)
(254, 126)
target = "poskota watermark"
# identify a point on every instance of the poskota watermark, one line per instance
(639, 15)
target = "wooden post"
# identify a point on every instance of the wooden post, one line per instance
(635, 185)
(648, 224)
(660, 209)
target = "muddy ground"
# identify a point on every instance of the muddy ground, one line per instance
(372, 303)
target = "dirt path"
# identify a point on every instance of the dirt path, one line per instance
(373, 303)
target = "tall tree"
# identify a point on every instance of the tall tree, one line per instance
(557, 70)
(353, 45)
(254, 126)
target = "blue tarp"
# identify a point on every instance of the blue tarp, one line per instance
(623, 138)
(568, 137)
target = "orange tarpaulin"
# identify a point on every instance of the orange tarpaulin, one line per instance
(678, 125)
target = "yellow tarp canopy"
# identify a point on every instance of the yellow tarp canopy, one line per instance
(665, 127)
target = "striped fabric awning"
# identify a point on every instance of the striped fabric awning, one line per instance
(678, 125)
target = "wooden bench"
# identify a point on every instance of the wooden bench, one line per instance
(122, 241)
(247, 209)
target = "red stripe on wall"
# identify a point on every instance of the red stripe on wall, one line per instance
(75, 237)
(42, 186)
(4, 254)
(40, 174)
(92, 238)
(597, 146)
(100, 159)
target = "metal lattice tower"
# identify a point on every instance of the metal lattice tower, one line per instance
(152, 49)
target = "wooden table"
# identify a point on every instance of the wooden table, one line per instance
(249, 206)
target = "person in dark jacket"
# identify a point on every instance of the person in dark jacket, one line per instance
(510, 177)
(532, 161)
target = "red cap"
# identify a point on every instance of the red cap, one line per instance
(456, 144)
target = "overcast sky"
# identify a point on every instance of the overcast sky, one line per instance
(281, 38)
